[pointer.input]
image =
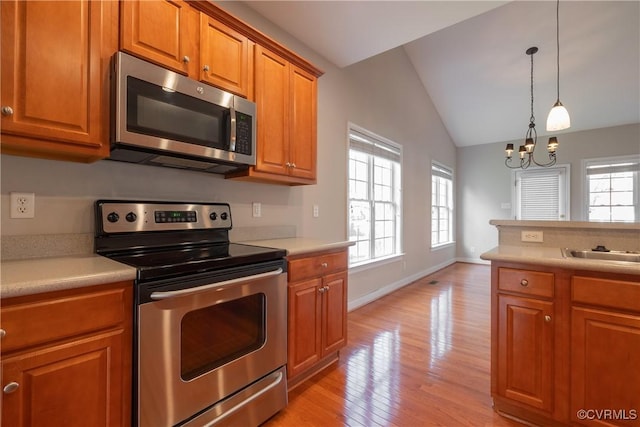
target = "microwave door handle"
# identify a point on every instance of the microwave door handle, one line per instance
(182, 292)
(232, 134)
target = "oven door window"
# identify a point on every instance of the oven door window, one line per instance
(218, 334)
(154, 111)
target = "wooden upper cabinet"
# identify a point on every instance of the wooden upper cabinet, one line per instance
(272, 87)
(224, 56)
(286, 99)
(55, 78)
(165, 32)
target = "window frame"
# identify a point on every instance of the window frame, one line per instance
(631, 158)
(451, 226)
(396, 191)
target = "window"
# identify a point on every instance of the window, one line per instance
(542, 194)
(612, 189)
(441, 205)
(374, 196)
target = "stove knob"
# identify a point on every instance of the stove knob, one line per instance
(113, 217)
(223, 216)
(213, 216)
(131, 217)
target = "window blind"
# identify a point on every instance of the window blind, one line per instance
(540, 195)
(370, 145)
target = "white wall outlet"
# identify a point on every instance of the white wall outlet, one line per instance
(256, 209)
(316, 211)
(23, 205)
(531, 236)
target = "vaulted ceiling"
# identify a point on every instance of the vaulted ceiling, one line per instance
(470, 56)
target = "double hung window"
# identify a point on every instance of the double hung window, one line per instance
(441, 205)
(612, 189)
(542, 194)
(375, 216)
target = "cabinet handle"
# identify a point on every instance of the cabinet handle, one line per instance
(547, 318)
(11, 387)
(288, 164)
(7, 111)
(324, 265)
(3, 333)
(186, 59)
(326, 289)
(293, 165)
(524, 282)
(321, 290)
(205, 68)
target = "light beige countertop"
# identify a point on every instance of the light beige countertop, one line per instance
(38, 275)
(300, 245)
(552, 257)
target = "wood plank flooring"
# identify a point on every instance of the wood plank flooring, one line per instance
(417, 357)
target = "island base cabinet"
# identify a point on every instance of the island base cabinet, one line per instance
(52, 387)
(605, 369)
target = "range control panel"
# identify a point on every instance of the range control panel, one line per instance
(128, 217)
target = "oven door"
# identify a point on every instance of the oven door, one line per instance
(199, 345)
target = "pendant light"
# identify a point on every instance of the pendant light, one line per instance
(525, 152)
(558, 118)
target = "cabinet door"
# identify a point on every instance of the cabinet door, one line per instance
(525, 350)
(55, 77)
(305, 340)
(303, 124)
(334, 312)
(604, 367)
(77, 383)
(224, 56)
(165, 32)
(272, 99)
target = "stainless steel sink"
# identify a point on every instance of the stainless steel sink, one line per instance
(628, 256)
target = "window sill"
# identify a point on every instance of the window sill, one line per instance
(374, 263)
(443, 246)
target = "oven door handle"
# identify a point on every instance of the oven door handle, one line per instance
(171, 294)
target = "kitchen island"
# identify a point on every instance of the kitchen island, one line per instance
(565, 331)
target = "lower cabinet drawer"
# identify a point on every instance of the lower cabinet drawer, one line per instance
(527, 282)
(318, 265)
(605, 292)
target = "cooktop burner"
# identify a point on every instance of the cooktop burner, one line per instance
(170, 239)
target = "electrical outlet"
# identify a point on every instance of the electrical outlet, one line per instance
(256, 209)
(531, 236)
(316, 211)
(23, 205)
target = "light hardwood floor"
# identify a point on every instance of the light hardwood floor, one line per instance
(417, 357)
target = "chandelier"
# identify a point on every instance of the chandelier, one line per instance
(526, 151)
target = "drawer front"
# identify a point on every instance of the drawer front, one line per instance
(315, 266)
(526, 282)
(45, 320)
(605, 292)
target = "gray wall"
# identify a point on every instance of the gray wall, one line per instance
(484, 183)
(382, 94)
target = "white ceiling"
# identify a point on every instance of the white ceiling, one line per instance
(470, 56)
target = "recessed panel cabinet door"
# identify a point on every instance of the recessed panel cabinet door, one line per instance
(605, 375)
(305, 330)
(76, 384)
(272, 99)
(55, 77)
(334, 312)
(165, 32)
(303, 124)
(525, 350)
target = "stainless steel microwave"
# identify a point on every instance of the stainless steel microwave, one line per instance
(163, 118)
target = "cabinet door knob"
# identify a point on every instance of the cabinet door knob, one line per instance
(547, 318)
(524, 282)
(324, 265)
(186, 59)
(293, 165)
(321, 290)
(205, 68)
(11, 387)
(2, 333)
(7, 111)
(288, 164)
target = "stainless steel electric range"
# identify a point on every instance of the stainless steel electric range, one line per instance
(210, 316)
